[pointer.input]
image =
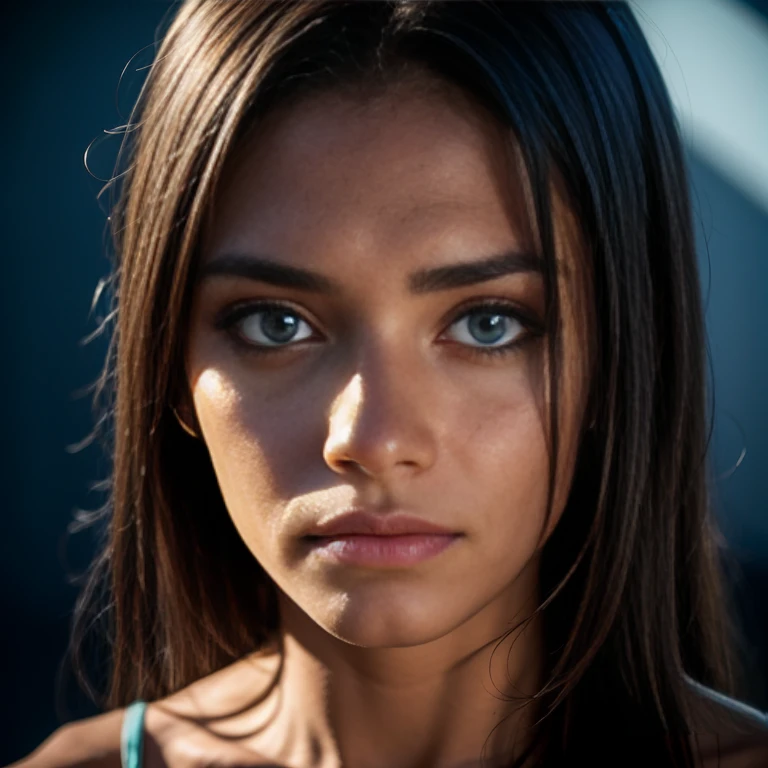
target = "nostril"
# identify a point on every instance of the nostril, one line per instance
(352, 464)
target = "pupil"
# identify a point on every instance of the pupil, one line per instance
(487, 328)
(279, 325)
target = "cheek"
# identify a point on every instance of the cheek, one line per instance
(503, 451)
(248, 451)
(501, 454)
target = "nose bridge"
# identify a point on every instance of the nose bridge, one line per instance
(381, 417)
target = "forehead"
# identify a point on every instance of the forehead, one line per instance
(407, 162)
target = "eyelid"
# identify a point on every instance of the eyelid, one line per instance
(505, 306)
(233, 313)
(227, 320)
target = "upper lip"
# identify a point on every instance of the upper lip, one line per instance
(375, 524)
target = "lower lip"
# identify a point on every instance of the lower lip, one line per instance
(382, 551)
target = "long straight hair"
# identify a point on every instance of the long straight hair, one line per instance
(633, 598)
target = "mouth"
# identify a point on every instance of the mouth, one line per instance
(373, 551)
(378, 539)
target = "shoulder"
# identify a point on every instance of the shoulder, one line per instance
(726, 732)
(90, 743)
(189, 728)
(214, 719)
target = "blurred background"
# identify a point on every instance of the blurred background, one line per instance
(61, 65)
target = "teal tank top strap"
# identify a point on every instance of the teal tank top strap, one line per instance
(132, 735)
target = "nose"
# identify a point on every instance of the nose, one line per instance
(379, 425)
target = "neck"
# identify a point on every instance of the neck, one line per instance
(443, 703)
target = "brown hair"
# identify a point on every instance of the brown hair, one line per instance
(631, 580)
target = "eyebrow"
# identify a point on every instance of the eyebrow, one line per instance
(266, 270)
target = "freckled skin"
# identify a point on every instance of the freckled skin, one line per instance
(385, 407)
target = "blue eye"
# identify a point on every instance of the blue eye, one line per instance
(272, 326)
(490, 326)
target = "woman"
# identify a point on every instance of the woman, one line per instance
(409, 402)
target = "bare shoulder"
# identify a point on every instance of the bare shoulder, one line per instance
(90, 743)
(215, 720)
(195, 726)
(727, 732)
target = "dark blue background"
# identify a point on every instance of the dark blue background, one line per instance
(60, 69)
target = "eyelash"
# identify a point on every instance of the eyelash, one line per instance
(531, 328)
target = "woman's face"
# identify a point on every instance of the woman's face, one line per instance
(384, 380)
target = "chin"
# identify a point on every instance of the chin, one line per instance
(389, 620)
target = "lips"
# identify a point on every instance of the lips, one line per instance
(363, 522)
(380, 552)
